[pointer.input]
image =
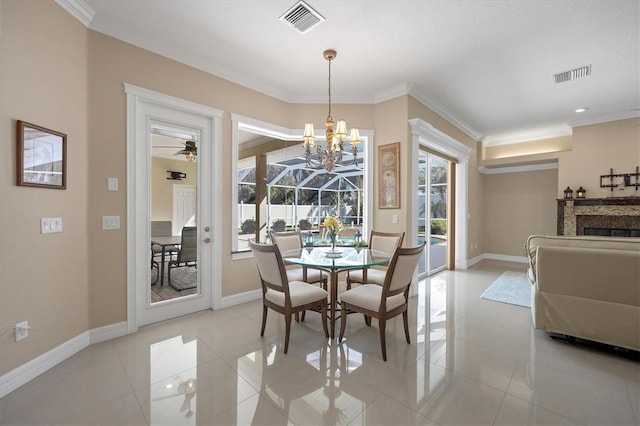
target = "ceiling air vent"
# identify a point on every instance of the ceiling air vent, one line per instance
(580, 72)
(302, 17)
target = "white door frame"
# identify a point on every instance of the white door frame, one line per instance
(143, 106)
(423, 133)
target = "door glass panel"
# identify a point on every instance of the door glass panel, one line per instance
(438, 208)
(422, 210)
(174, 183)
(432, 212)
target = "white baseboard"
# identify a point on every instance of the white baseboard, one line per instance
(32, 369)
(491, 256)
(506, 258)
(108, 332)
(237, 299)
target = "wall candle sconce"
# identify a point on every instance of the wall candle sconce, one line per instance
(581, 192)
(568, 193)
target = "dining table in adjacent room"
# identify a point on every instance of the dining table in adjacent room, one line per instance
(164, 242)
(339, 260)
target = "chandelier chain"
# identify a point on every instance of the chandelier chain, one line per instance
(329, 118)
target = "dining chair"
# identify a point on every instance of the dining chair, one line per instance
(187, 254)
(162, 228)
(386, 301)
(284, 296)
(382, 241)
(290, 240)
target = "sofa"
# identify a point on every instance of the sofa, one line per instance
(586, 287)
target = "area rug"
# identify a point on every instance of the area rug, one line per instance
(183, 278)
(510, 287)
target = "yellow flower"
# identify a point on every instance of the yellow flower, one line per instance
(333, 224)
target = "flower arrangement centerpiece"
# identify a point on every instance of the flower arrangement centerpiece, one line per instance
(333, 226)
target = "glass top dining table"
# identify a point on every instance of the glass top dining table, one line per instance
(345, 259)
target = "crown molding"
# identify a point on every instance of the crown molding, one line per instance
(517, 169)
(79, 9)
(415, 91)
(433, 138)
(606, 118)
(556, 131)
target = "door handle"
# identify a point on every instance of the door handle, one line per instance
(207, 240)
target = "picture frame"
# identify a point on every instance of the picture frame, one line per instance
(389, 176)
(41, 157)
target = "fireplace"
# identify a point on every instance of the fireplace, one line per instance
(599, 216)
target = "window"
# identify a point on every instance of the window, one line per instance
(274, 190)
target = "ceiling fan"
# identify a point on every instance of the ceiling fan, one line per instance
(190, 151)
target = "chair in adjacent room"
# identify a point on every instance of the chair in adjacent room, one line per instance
(156, 266)
(382, 241)
(162, 228)
(187, 254)
(386, 301)
(291, 240)
(284, 296)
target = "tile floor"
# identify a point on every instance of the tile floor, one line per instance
(471, 362)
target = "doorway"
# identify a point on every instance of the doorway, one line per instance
(433, 221)
(148, 111)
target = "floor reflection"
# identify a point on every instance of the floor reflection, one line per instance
(470, 361)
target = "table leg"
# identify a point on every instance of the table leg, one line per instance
(333, 276)
(162, 268)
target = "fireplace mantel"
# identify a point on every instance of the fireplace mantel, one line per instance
(611, 213)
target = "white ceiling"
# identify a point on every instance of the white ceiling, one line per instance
(487, 66)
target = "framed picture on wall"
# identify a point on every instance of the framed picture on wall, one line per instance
(389, 176)
(42, 157)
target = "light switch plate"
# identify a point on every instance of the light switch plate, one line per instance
(112, 184)
(49, 225)
(110, 222)
(394, 218)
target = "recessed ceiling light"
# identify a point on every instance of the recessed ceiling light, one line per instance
(583, 109)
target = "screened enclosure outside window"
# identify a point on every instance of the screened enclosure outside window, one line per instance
(277, 191)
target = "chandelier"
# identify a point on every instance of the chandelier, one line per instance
(190, 151)
(330, 156)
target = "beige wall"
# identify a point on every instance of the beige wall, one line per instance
(520, 204)
(597, 149)
(517, 205)
(162, 188)
(43, 278)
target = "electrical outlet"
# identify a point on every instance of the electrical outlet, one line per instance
(22, 330)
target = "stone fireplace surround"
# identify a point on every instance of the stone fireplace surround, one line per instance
(596, 215)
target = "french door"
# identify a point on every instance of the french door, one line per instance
(146, 111)
(432, 212)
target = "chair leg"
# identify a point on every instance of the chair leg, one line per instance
(405, 317)
(343, 320)
(367, 320)
(383, 342)
(297, 314)
(302, 315)
(264, 319)
(287, 330)
(323, 313)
